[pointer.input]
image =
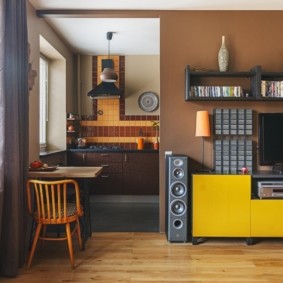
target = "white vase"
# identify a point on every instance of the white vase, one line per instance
(223, 56)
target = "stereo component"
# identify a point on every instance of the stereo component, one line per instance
(270, 189)
(177, 191)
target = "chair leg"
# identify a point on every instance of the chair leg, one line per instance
(43, 235)
(70, 245)
(34, 243)
(79, 234)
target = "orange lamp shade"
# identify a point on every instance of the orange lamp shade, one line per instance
(202, 124)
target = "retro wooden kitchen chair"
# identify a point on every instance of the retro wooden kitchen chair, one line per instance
(51, 207)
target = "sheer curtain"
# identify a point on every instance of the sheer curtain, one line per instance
(13, 135)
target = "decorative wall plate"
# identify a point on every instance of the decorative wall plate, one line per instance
(148, 101)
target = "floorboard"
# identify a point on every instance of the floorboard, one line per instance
(149, 257)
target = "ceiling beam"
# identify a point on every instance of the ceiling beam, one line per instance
(65, 13)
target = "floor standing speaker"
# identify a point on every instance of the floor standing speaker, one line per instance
(177, 192)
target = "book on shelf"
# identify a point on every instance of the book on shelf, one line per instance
(271, 88)
(216, 91)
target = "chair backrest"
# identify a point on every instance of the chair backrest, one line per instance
(55, 202)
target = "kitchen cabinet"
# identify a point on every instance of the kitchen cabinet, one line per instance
(54, 158)
(110, 181)
(124, 173)
(220, 206)
(140, 174)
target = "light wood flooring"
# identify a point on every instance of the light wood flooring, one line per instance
(148, 257)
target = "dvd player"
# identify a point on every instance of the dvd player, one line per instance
(270, 189)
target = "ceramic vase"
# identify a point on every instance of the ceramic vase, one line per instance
(223, 56)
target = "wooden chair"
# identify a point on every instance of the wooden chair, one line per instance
(50, 207)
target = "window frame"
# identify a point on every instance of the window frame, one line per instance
(43, 101)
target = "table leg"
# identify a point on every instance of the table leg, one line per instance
(86, 219)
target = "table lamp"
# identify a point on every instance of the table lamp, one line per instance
(202, 128)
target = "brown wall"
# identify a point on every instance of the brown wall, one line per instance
(194, 38)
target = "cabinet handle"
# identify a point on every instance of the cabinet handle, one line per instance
(126, 157)
(104, 154)
(104, 165)
(104, 176)
(84, 156)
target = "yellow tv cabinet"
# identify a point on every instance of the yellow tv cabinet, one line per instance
(226, 206)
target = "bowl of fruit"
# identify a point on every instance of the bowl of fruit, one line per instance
(38, 165)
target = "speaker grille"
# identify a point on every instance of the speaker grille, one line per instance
(178, 162)
(178, 207)
(177, 191)
(178, 173)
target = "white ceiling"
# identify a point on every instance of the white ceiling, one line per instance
(132, 36)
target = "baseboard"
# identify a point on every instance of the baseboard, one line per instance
(124, 198)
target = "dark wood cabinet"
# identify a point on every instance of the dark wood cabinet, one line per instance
(141, 174)
(124, 173)
(107, 184)
(84, 158)
(54, 158)
(110, 181)
(77, 159)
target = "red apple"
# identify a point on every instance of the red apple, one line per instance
(36, 164)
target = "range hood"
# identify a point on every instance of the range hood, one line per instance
(105, 89)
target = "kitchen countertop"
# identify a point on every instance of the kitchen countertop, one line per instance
(121, 150)
(50, 152)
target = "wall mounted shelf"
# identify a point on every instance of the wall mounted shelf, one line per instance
(212, 85)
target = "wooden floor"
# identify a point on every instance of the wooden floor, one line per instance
(148, 257)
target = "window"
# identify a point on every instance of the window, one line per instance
(52, 95)
(43, 102)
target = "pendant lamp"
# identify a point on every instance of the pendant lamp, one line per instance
(108, 74)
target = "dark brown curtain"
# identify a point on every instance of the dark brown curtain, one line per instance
(13, 135)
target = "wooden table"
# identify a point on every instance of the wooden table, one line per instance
(83, 174)
(67, 172)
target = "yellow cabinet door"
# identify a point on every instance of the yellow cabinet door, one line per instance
(221, 205)
(266, 218)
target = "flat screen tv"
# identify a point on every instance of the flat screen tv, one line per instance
(270, 138)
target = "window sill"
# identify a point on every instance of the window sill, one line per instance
(47, 152)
